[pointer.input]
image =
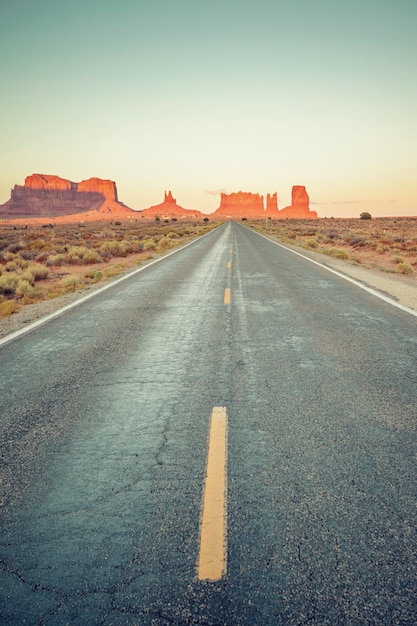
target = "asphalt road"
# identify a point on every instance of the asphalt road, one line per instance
(105, 429)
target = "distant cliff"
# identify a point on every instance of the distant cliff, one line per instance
(247, 205)
(45, 195)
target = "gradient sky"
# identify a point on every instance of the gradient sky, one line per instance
(207, 96)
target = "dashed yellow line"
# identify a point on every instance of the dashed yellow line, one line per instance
(229, 265)
(226, 299)
(212, 558)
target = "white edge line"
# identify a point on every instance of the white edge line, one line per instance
(43, 320)
(370, 290)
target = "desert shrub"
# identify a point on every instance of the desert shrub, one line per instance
(397, 259)
(16, 246)
(133, 246)
(110, 249)
(37, 244)
(8, 307)
(75, 254)
(164, 242)
(95, 276)
(172, 235)
(359, 242)
(8, 256)
(25, 288)
(91, 256)
(38, 270)
(312, 243)
(71, 282)
(365, 216)
(405, 268)
(149, 244)
(9, 282)
(56, 260)
(331, 234)
(338, 253)
(27, 275)
(28, 255)
(11, 266)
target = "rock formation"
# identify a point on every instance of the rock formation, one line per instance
(244, 205)
(169, 209)
(272, 205)
(107, 188)
(240, 204)
(299, 208)
(51, 196)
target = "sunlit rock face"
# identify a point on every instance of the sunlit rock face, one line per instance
(169, 209)
(244, 205)
(107, 188)
(47, 181)
(45, 195)
(240, 204)
(272, 205)
(299, 208)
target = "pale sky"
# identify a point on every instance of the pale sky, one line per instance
(206, 96)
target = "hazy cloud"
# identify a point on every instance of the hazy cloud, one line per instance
(215, 192)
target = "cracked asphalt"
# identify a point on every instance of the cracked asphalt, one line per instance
(104, 417)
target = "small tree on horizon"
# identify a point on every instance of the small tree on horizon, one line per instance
(365, 216)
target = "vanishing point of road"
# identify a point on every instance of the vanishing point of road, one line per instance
(225, 437)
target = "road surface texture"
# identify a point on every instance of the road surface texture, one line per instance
(235, 368)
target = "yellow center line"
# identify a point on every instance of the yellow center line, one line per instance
(229, 265)
(212, 558)
(226, 296)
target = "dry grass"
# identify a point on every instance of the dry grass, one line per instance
(385, 244)
(43, 262)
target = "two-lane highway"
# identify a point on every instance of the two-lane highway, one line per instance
(225, 437)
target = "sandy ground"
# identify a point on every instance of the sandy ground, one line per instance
(399, 288)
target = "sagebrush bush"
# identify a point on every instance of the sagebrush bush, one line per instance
(38, 270)
(71, 282)
(149, 244)
(338, 253)
(25, 288)
(91, 256)
(75, 254)
(9, 282)
(164, 242)
(112, 248)
(56, 260)
(8, 307)
(397, 259)
(405, 268)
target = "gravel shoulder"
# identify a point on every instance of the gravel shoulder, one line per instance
(399, 288)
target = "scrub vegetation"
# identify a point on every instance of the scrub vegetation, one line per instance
(384, 244)
(42, 262)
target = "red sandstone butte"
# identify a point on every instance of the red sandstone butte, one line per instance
(169, 209)
(245, 205)
(299, 208)
(47, 181)
(240, 204)
(48, 196)
(106, 188)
